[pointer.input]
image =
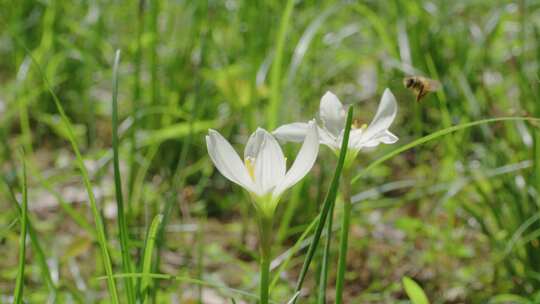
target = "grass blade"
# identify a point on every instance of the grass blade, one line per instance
(321, 297)
(100, 229)
(328, 201)
(436, 135)
(275, 73)
(146, 280)
(23, 101)
(414, 291)
(153, 45)
(380, 26)
(291, 252)
(36, 245)
(136, 102)
(67, 208)
(295, 296)
(344, 236)
(122, 222)
(19, 284)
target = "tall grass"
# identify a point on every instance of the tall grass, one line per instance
(144, 284)
(19, 284)
(121, 213)
(35, 242)
(100, 229)
(276, 94)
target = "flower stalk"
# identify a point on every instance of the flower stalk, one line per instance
(328, 203)
(265, 238)
(326, 257)
(344, 234)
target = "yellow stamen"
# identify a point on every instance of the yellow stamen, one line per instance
(356, 125)
(250, 167)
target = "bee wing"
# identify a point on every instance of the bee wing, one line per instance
(431, 84)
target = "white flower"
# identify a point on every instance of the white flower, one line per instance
(333, 116)
(263, 172)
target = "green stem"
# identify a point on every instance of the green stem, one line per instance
(34, 240)
(122, 222)
(265, 275)
(200, 257)
(145, 283)
(328, 201)
(135, 106)
(326, 257)
(344, 236)
(19, 284)
(265, 234)
(154, 61)
(275, 72)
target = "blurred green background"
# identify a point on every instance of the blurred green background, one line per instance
(460, 214)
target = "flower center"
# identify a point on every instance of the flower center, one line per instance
(356, 125)
(249, 162)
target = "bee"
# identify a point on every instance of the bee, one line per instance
(421, 85)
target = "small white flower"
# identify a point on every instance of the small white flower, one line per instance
(263, 172)
(333, 117)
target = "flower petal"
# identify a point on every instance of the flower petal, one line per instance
(388, 138)
(385, 137)
(332, 113)
(386, 113)
(254, 144)
(304, 161)
(355, 138)
(295, 132)
(326, 138)
(269, 162)
(227, 160)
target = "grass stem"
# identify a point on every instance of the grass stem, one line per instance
(122, 222)
(328, 201)
(19, 284)
(265, 278)
(136, 104)
(344, 236)
(145, 283)
(36, 245)
(265, 240)
(275, 73)
(100, 228)
(326, 258)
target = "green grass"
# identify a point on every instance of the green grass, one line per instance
(111, 144)
(23, 219)
(328, 205)
(122, 221)
(100, 229)
(144, 285)
(276, 94)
